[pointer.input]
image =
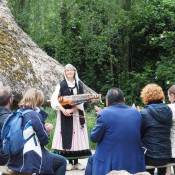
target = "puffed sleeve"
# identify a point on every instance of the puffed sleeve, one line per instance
(81, 106)
(54, 98)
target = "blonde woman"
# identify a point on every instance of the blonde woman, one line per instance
(156, 126)
(70, 137)
(34, 158)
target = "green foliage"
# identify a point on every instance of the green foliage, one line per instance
(52, 115)
(112, 43)
(91, 121)
(135, 82)
(166, 71)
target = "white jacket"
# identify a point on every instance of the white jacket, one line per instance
(172, 106)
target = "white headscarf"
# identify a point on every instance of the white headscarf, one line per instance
(1, 84)
(70, 66)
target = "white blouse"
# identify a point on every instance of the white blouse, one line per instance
(172, 106)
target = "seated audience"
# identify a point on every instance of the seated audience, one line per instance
(156, 125)
(6, 101)
(34, 158)
(117, 132)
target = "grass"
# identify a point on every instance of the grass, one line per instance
(90, 120)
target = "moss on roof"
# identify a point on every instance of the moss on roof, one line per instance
(13, 62)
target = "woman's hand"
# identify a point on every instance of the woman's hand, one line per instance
(70, 111)
(67, 112)
(97, 109)
(137, 107)
(48, 127)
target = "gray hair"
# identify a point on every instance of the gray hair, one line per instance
(5, 95)
(171, 90)
(70, 66)
(114, 96)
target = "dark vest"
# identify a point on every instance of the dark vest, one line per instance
(67, 122)
(65, 90)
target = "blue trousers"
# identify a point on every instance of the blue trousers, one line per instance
(88, 170)
(59, 164)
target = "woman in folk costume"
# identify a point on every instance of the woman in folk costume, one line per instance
(70, 137)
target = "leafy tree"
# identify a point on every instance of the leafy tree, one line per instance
(112, 43)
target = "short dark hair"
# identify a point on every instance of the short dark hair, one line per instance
(5, 95)
(114, 96)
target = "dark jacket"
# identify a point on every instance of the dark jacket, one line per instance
(34, 158)
(65, 90)
(156, 126)
(4, 113)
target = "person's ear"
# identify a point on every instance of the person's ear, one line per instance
(107, 103)
(11, 100)
(173, 96)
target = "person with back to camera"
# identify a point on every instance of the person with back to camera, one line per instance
(34, 158)
(117, 132)
(156, 125)
(6, 101)
(171, 97)
(70, 136)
